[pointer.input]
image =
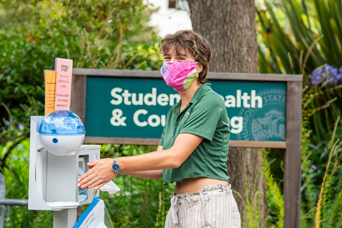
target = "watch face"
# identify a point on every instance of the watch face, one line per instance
(116, 167)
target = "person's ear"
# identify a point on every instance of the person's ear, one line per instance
(199, 67)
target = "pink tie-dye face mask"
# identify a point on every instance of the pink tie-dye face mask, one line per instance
(179, 75)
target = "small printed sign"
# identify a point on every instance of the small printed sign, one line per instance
(50, 91)
(63, 68)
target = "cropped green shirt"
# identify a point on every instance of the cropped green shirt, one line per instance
(205, 116)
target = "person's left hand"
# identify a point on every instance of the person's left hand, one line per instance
(100, 173)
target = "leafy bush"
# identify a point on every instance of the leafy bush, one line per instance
(102, 34)
(308, 42)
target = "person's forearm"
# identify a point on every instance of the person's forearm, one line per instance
(171, 158)
(157, 160)
(150, 174)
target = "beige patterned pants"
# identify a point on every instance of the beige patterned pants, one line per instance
(212, 206)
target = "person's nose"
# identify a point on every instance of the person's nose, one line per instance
(173, 59)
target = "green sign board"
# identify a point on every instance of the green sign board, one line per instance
(137, 107)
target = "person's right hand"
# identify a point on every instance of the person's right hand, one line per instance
(100, 173)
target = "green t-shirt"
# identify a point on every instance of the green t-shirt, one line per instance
(205, 116)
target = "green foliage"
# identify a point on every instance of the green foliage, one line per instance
(16, 165)
(321, 197)
(310, 39)
(101, 34)
(95, 34)
(275, 198)
(328, 208)
(310, 172)
(252, 216)
(307, 37)
(14, 132)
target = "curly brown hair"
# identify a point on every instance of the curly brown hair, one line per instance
(192, 43)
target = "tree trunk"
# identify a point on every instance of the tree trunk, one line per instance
(230, 27)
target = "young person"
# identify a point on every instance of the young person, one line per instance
(193, 149)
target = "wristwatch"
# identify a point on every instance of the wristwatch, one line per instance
(116, 166)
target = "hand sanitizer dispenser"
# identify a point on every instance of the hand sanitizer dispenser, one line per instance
(57, 159)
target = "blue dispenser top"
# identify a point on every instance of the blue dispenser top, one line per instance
(62, 122)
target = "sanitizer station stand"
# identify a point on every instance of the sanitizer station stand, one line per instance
(57, 159)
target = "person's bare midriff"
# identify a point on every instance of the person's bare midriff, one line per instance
(195, 184)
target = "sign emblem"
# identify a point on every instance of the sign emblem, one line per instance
(266, 124)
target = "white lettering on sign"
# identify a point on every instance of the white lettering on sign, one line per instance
(118, 119)
(150, 99)
(139, 101)
(142, 118)
(163, 99)
(136, 118)
(236, 123)
(126, 95)
(153, 120)
(116, 96)
(247, 101)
